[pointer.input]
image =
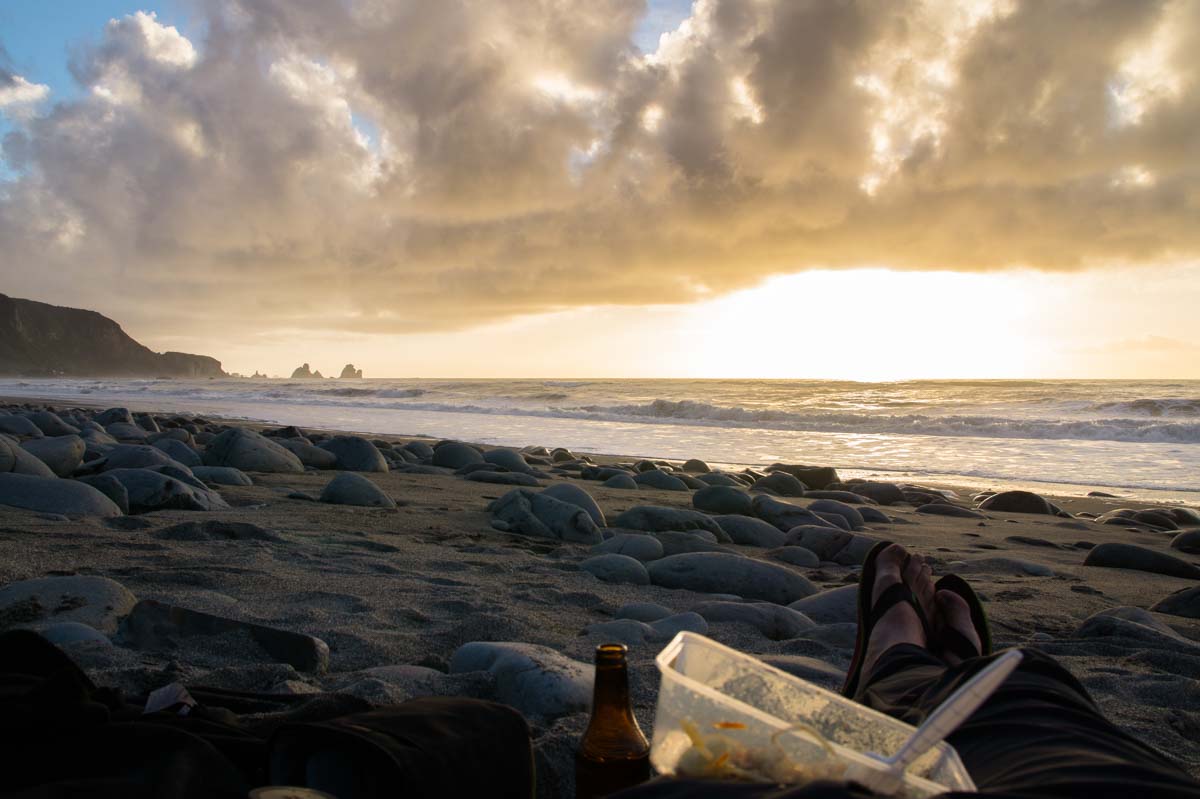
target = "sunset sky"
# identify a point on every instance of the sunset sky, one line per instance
(734, 188)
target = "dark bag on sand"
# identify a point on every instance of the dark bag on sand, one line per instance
(62, 736)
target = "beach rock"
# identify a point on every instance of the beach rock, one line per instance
(309, 454)
(1188, 542)
(643, 611)
(351, 488)
(110, 487)
(355, 454)
(178, 451)
(776, 622)
(113, 416)
(832, 606)
(629, 632)
(215, 530)
(61, 454)
(839, 546)
(95, 601)
(656, 478)
(751, 532)
(872, 515)
(504, 478)
(1136, 624)
(153, 490)
(71, 633)
(1159, 519)
(807, 668)
(883, 493)
(614, 568)
(508, 458)
(851, 515)
(781, 483)
(126, 432)
(156, 626)
(715, 572)
(20, 426)
(54, 495)
(454, 455)
(1131, 556)
(640, 547)
(350, 373)
(1017, 502)
(535, 514)
(146, 422)
(1001, 565)
(246, 450)
(835, 520)
(15, 459)
(621, 481)
(723, 499)
(1184, 602)
(657, 519)
(785, 515)
(51, 424)
(848, 497)
(131, 456)
(677, 542)
(719, 479)
(1184, 517)
(812, 476)
(419, 448)
(696, 466)
(942, 509)
(667, 628)
(574, 495)
(222, 475)
(536, 680)
(796, 556)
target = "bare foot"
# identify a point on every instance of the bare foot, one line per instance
(900, 625)
(955, 613)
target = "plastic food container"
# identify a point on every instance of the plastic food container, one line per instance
(705, 684)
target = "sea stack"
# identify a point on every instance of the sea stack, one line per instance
(303, 373)
(349, 371)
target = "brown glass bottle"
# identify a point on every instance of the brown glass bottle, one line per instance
(613, 754)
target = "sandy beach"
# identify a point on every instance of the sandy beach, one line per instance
(396, 593)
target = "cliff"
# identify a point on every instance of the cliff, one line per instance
(41, 340)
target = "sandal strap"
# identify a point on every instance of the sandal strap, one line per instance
(958, 644)
(893, 595)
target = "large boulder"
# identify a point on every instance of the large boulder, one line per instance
(720, 573)
(851, 515)
(1017, 502)
(751, 532)
(455, 455)
(535, 514)
(355, 454)
(20, 426)
(776, 622)
(796, 556)
(812, 476)
(696, 466)
(781, 483)
(883, 493)
(61, 454)
(126, 431)
(179, 451)
(946, 509)
(724, 500)
(222, 475)
(110, 487)
(309, 454)
(53, 495)
(503, 478)
(536, 680)
(1131, 556)
(51, 424)
(785, 515)
(831, 606)
(1188, 541)
(829, 544)
(132, 456)
(95, 601)
(622, 481)
(613, 568)
(1184, 602)
(247, 450)
(678, 542)
(350, 488)
(656, 519)
(507, 458)
(151, 490)
(574, 495)
(634, 545)
(113, 416)
(15, 459)
(657, 478)
(721, 479)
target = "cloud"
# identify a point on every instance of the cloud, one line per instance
(16, 93)
(398, 166)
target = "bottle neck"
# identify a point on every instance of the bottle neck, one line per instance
(611, 691)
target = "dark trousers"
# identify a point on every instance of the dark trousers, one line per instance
(1040, 736)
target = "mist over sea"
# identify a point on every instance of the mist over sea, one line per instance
(1140, 435)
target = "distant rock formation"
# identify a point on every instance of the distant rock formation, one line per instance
(42, 340)
(303, 373)
(349, 371)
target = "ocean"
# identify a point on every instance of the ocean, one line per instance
(1141, 438)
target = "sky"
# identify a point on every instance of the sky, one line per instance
(872, 189)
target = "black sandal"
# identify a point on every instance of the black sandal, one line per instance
(869, 614)
(951, 640)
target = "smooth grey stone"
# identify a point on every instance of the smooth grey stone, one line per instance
(817, 477)
(110, 487)
(622, 481)
(54, 495)
(70, 633)
(1017, 502)
(724, 500)
(856, 550)
(838, 636)
(173, 433)
(641, 547)
(156, 626)
(656, 519)
(717, 572)
(776, 622)
(1121, 625)
(603, 472)
(61, 454)
(419, 448)
(222, 475)
(536, 680)
(697, 466)
(19, 426)
(308, 453)
(751, 532)
(810, 669)
(538, 515)
(503, 478)
(573, 494)
(849, 497)
(835, 520)
(667, 628)
(1000, 565)
(942, 509)
(351, 488)
(796, 556)
(95, 601)
(355, 454)
(883, 493)
(454, 455)
(1184, 602)
(838, 546)
(720, 479)
(246, 450)
(831, 606)
(153, 490)
(1157, 518)
(851, 515)
(1130, 556)
(15, 459)
(131, 456)
(179, 451)
(422, 469)
(216, 530)
(620, 631)
(679, 542)
(1138, 616)
(508, 458)
(785, 515)
(643, 611)
(614, 568)
(52, 424)
(125, 431)
(113, 416)
(561, 455)
(781, 483)
(656, 478)
(1184, 517)
(873, 515)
